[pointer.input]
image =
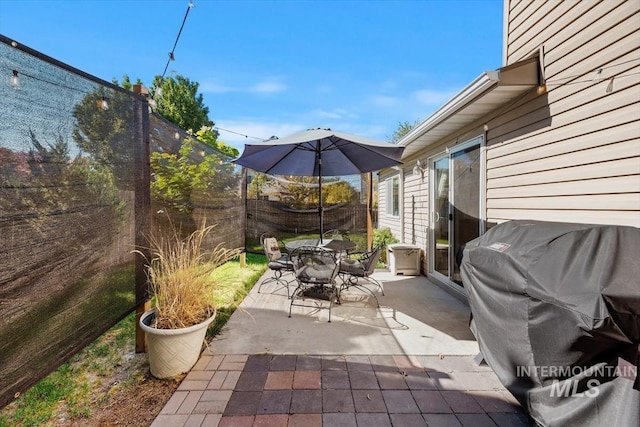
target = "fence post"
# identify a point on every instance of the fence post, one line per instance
(142, 209)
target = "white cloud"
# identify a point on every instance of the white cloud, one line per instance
(266, 87)
(212, 87)
(386, 101)
(338, 113)
(433, 97)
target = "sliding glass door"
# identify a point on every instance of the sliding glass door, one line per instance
(455, 211)
(440, 216)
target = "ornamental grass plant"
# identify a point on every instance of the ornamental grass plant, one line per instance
(180, 277)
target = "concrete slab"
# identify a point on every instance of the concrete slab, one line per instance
(415, 317)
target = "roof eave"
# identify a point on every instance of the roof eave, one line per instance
(511, 80)
(480, 85)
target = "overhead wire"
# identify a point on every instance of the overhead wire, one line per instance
(171, 54)
(238, 133)
(173, 58)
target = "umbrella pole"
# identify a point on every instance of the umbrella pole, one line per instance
(319, 162)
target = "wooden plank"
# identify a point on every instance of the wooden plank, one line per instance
(604, 153)
(629, 166)
(141, 341)
(628, 218)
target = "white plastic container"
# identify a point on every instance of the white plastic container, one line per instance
(404, 259)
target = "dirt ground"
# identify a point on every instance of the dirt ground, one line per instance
(135, 406)
(130, 397)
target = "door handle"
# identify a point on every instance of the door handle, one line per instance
(436, 216)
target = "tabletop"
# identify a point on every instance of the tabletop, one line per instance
(332, 244)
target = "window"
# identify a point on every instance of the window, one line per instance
(393, 196)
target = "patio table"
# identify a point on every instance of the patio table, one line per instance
(337, 246)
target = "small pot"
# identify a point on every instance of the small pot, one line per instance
(173, 351)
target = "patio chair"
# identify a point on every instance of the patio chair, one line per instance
(356, 272)
(279, 263)
(316, 269)
(335, 234)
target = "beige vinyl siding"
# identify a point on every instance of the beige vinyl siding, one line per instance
(416, 210)
(576, 216)
(572, 154)
(604, 168)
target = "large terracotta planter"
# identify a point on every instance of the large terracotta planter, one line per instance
(173, 351)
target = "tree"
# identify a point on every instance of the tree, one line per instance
(106, 132)
(180, 102)
(257, 184)
(340, 192)
(126, 82)
(403, 129)
(177, 176)
(298, 190)
(209, 136)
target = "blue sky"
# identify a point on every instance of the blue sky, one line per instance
(277, 67)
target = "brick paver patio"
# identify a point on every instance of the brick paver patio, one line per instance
(371, 391)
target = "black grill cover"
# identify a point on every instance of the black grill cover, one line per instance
(556, 313)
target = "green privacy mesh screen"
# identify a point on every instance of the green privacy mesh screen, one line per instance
(193, 185)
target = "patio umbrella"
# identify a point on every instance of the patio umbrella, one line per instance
(320, 152)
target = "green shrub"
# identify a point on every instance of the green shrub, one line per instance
(383, 236)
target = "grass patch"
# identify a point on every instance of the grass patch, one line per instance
(240, 280)
(109, 365)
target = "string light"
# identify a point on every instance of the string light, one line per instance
(610, 86)
(598, 75)
(15, 81)
(102, 104)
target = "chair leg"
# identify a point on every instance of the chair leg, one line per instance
(375, 282)
(334, 295)
(294, 295)
(353, 281)
(277, 277)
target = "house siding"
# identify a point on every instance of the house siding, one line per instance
(572, 154)
(417, 197)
